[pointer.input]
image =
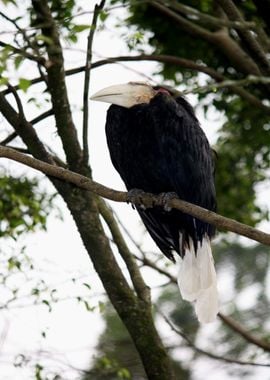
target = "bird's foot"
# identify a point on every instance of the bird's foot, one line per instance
(134, 197)
(164, 198)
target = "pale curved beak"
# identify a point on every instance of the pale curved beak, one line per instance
(125, 95)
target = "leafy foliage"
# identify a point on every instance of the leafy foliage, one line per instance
(23, 207)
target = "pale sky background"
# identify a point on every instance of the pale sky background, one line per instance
(71, 331)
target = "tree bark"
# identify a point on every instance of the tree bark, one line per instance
(135, 313)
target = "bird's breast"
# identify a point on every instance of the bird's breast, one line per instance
(135, 149)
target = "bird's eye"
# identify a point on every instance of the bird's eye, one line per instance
(162, 90)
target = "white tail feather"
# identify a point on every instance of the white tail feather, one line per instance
(197, 280)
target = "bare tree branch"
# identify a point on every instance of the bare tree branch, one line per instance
(251, 79)
(9, 138)
(209, 20)
(88, 65)
(186, 25)
(23, 128)
(42, 116)
(244, 333)
(220, 38)
(148, 200)
(256, 51)
(207, 353)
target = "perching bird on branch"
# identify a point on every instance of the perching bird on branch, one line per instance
(156, 145)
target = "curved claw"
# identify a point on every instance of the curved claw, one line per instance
(134, 197)
(164, 198)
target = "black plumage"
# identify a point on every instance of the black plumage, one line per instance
(160, 147)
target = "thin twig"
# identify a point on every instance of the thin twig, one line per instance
(88, 65)
(42, 116)
(207, 353)
(9, 138)
(18, 101)
(147, 199)
(24, 53)
(34, 121)
(250, 79)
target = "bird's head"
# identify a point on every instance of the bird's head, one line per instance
(129, 94)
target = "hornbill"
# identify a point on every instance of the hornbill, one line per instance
(157, 145)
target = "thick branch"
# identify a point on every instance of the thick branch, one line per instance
(208, 19)
(57, 86)
(186, 25)
(147, 199)
(247, 37)
(24, 129)
(221, 39)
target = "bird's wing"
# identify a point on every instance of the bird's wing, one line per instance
(189, 164)
(187, 153)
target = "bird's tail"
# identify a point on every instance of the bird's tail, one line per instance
(197, 280)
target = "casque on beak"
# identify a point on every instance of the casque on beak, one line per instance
(125, 95)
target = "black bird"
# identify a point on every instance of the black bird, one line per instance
(157, 145)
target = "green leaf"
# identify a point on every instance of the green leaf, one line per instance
(3, 81)
(87, 306)
(18, 60)
(87, 285)
(80, 28)
(103, 15)
(47, 40)
(24, 84)
(6, 2)
(101, 306)
(47, 303)
(123, 373)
